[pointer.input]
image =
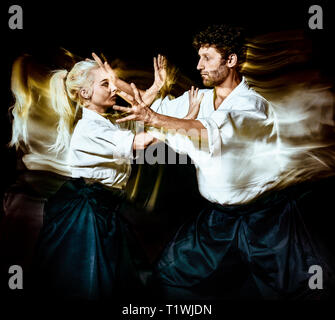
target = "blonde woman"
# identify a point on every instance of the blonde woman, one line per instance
(82, 250)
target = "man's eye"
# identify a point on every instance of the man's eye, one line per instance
(105, 84)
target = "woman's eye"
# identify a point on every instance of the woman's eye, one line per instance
(105, 84)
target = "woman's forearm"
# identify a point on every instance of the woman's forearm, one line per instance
(150, 94)
(125, 87)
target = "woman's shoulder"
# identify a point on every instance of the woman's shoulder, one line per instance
(89, 130)
(86, 126)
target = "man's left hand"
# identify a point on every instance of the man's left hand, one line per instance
(139, 111)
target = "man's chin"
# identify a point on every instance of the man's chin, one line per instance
(207, 83)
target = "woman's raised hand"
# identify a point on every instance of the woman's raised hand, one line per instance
(160, 75)
(106, 68)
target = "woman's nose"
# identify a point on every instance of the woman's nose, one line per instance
(112, 87)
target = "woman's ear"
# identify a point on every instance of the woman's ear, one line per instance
(85, 93)
(232, 60)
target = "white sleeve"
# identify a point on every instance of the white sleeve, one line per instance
(157, 104)
(114, 141)
(179, 142)
(214, 135)
(96, 143)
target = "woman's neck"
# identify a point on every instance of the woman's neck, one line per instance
(98, 109)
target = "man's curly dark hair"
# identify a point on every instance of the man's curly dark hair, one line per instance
(227, 40)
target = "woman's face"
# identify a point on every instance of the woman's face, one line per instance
(103, 91)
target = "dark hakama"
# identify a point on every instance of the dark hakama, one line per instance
(82, 249)
(261, 250)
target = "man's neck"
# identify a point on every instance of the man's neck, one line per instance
(225, 88)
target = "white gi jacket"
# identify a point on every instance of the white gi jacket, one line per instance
(101, 150)
(242, 157)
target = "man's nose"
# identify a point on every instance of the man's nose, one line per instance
(200, 66)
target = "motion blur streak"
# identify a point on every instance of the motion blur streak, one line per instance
(280, 67)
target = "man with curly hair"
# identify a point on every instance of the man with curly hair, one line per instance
(251, 240)
(229, 42)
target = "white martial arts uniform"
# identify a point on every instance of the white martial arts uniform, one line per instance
(242, 157)
(101, 150)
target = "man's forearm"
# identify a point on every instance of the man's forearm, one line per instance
(192, 128)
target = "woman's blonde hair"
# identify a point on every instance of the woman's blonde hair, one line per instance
(26, 81)
(65, 97)
(28, 86)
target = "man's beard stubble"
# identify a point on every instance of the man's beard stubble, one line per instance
(215, 78)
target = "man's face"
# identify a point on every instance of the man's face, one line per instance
(212, 66)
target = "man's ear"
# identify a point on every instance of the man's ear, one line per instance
(232, 60)
(85, 93)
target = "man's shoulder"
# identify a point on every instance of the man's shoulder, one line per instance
(253, 99)
(257, 95)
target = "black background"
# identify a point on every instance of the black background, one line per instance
(137, 31)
